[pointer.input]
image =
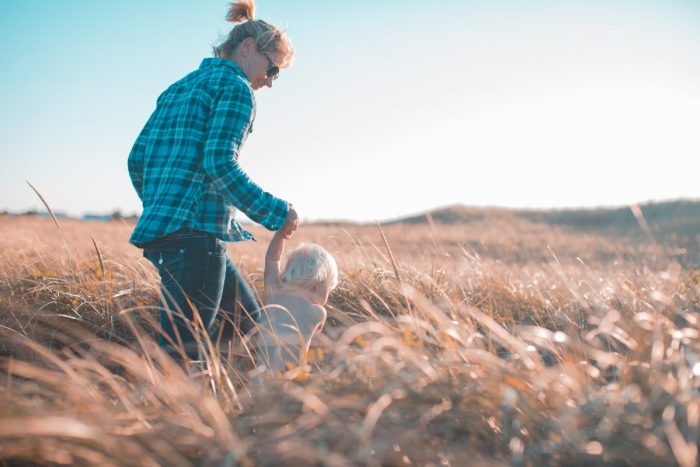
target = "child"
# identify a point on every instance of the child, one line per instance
(294, 299)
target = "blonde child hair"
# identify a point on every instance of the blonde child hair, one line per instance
(309, 266)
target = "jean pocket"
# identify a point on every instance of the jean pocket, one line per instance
(169, 262)
(217, 248)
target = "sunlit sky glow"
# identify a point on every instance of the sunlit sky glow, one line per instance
(389, 108)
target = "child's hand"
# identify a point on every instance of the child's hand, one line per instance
(291, 223)
(286, 231)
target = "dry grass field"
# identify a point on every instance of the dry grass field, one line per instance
(498, 342)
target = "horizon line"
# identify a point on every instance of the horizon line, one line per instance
(118, 213)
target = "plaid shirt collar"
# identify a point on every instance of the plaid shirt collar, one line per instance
(222, 62)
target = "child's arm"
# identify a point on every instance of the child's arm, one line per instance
(273, 257)
(320, 320)
(275, 250)
(321, 323)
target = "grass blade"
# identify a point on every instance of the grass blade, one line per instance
(99, 255)
(48, 208)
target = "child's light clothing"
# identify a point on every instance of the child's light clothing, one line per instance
(288, 324)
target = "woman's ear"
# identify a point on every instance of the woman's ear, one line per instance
(247, 47)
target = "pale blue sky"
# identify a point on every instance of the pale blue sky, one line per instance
(390, 108)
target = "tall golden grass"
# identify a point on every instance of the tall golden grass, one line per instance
(495, 342)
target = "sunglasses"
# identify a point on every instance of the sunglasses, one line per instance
(272, 72)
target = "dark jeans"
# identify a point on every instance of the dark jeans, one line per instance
(198, 278)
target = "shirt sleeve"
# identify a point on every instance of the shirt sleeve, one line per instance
(229, 121)
(136, 158)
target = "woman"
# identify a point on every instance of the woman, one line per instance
(184, 167)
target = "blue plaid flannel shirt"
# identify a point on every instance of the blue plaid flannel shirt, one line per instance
(184, 163)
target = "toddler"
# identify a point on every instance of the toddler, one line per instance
(294, 299)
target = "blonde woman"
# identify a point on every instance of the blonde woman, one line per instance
(184, 166)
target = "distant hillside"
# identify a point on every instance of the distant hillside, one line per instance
(672, 219)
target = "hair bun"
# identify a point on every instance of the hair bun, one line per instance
(241, 10)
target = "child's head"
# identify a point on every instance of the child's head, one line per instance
(312, 268)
